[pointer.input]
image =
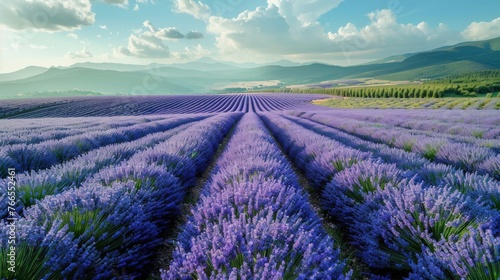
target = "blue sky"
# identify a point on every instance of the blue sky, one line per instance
(348, 32)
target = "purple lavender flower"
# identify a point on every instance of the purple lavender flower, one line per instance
(482, 188)
(353, 185)
(474, 256)
(412, 217)
(108, 219)
(44, 252)
(464, 156)
(491, 166)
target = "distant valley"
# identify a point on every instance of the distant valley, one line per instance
(210, 76)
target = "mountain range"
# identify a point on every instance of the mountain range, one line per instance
(204, 75)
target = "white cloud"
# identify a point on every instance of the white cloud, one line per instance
(290, 28)
(169, 33)
(146, 44)
(150, 42)
(136, 7)
(73, 36)
(149, 25)
(84, 53)
(279, 28)
(103, 27)
(119, 3)
(385, 34)
(196, 9)
(46, 15)
(482, 30)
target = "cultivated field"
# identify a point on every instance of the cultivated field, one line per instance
(246, 187)
(450, 103)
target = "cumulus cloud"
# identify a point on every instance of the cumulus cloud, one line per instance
(482, 30)
(144, 45)
(169, 33)
(136, 7)
(384, 32)
(290, 28)
(84, 53)
(150, 42)
(279, 28)
(163, 33)
(46, 15)
(191, 35)
(73, 36)
(103, 27)
(196, 9)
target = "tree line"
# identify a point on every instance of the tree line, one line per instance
(470, 84)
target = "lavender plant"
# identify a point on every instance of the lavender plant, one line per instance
(44, 252)
(475, 256)
(352, 186)
(411, 218)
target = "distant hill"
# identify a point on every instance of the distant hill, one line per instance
(456, 59)
(390, 59)
(112, 66)
(204, 74)
(23, 73)
(105, 81)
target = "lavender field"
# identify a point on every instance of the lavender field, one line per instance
(262, 186)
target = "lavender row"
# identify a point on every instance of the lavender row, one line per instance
(147, 105)
(465, 156)
(481, 187)
(15, 106)
(319, 156)
(387, 132)
(32, 131)
(398, 224)
(35, 185)
(26, 157)
(253, 221)
(111, 226)
(481, 118)
(475, 130)
(183, 156)
(485, 136)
